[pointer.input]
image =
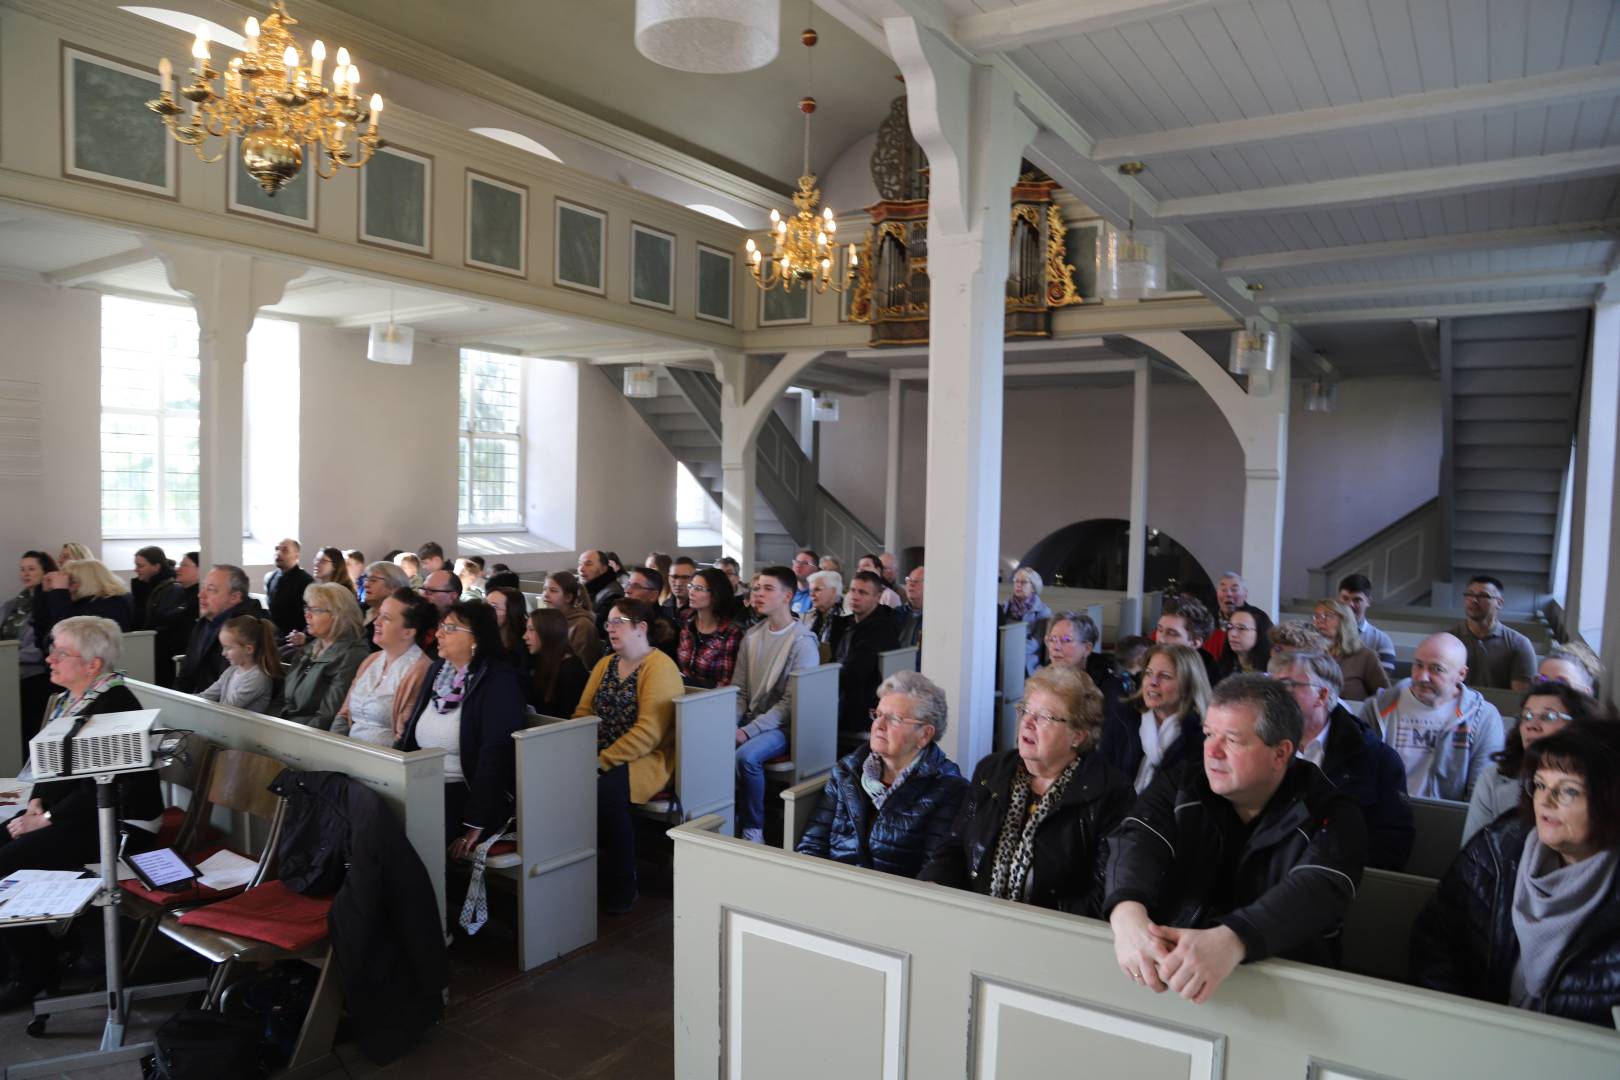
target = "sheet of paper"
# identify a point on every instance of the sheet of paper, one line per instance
(49, 897)
(226, 870)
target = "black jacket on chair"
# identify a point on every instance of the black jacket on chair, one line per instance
(492, 708)
(1284, 891)
(1464, 941)
(287, 599)
(1069, 846)
(387, 936)
(898, 839)
(1358, 763)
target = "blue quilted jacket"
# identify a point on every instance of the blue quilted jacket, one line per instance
(898, 839)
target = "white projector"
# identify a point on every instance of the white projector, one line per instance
(110, 742)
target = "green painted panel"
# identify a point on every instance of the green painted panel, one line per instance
(495, 225)
(579, 247)
(396, 199)
(113, 133)
(714, 285)
(652, 268)
(793, 305)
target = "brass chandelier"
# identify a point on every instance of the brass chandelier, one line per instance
(805, 245)
(277, 105)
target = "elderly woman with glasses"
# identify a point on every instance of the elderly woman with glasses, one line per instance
(319, 679)
(1032, 823)
(1529, 913)
(1026, 606)
(889, 804)
(1546, 710)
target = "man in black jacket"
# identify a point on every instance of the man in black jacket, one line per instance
(602, 583)
(222, 597)
(284, 588)
(856, 641)
(1254, 855)
(1352, 755)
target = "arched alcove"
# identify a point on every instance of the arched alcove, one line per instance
(1093, 554)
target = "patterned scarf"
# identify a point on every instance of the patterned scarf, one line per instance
(1015, 848)
(1017, 609)
(872, 779)
(449, 687)
(63, 704)
(21, 609)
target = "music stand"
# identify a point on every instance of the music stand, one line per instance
(116, 996)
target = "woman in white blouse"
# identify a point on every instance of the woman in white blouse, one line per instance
(384, 689)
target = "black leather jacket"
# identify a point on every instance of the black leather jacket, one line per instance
(1464, 942)
(1069, 848)
(1284, 892)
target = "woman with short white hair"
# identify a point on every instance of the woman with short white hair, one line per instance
(1026, 607)
(826, 590)
(888, 805)
(58, 830)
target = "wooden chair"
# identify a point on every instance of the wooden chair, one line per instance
(237, 781)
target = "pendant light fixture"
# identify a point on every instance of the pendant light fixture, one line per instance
(1322, 396)
(709, 37)
(640, 381)
(1254, 349)
(390, 343)
(1131, 265)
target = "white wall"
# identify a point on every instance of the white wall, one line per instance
(50, 393)
(626, 479)
(1066, 458)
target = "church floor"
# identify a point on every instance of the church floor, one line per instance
(604, 1011)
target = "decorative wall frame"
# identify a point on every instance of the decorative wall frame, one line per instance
(108, 134)
(294, 204)
(652, 267)
(396, 201)
(778, 307)
(715, 284)
(579, 248)
(497, 225)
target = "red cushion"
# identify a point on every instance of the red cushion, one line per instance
(780, 759)
(504, 847)
(272, 912)
(199, 894)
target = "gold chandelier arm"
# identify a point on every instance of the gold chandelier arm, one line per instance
(197, 148)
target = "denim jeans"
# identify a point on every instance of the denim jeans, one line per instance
(751, 758)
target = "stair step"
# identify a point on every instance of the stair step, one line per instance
(1489, 562)
(1547, 328)
(1506, 543)
(1507, 501)
(666, 405)
(1486, 520)
(1543, 480)
(681, 439)
(1493, 408)
(1551, 458)
(694, 454)
(1510, 433)
(1548, 382)
(1482, 355)
(687, 421)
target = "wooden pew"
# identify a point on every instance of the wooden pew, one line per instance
(1439, 825)
(554, 866)
(705, 779)
(1378, 930)
(894, 661)
(813, 726)
(412, 784)
(799, 802)
(910, 975)
(1010, 654)
(139, 661)
(1506, 702)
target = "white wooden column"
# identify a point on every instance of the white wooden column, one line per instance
(891, 488)
(1265, 483)
(1592, 516)
(1136, 563)
(227, 288)
(967, 120)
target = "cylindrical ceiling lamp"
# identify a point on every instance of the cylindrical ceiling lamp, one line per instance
(1254, 349)
(1322, 395)
(824, 408)
(640, 381)
(709, 37)
(1131, 265)
(390, 343)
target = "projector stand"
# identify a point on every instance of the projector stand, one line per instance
(116, 997)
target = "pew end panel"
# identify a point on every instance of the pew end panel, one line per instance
(813, 724)
(139, 658)
(411, 784)
(894, 661)
(705, 759)
(1439, 824)
(799, 802)
(1011, 653)
(764, 938)
(1378, 929)
(555, 864)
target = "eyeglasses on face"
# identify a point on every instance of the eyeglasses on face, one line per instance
(698, 587)
(889, 718)
(452, 628)
(1547, 716)
(317, 610)
(1060, 639)
(1560, 795)
(1478, 596)
(620, 620)
(1041, 718)
(63, 654)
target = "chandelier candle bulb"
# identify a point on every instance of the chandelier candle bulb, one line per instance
(317, 57)
(199, 47)
(251, 33)
(289, 61)
(166, 74)
(376, 110)
(354, 78)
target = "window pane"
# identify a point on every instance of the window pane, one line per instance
(150, 401)
(491, 405)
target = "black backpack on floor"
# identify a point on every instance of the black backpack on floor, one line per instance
(194, 1044)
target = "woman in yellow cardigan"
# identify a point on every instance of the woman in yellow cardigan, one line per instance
(632, 692)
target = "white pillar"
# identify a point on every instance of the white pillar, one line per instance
(1592, 516)
(891, 488)
(227, 288)
(967, 120)
(1136, 565)
(1265, 483)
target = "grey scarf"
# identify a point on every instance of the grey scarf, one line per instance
(872, 779)
(1015, 847)
(1550, 903)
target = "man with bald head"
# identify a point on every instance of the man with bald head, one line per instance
(1444, 731)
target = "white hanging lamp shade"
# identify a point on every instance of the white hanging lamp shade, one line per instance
(390, 343)
(1254, 349)
(824, 408)
(1132, 265)
(1322, 395)
(708, 37)
(640, 381)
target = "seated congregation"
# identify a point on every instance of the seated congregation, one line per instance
(1214, 792)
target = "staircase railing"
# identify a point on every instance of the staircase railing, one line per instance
(1401, 559)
